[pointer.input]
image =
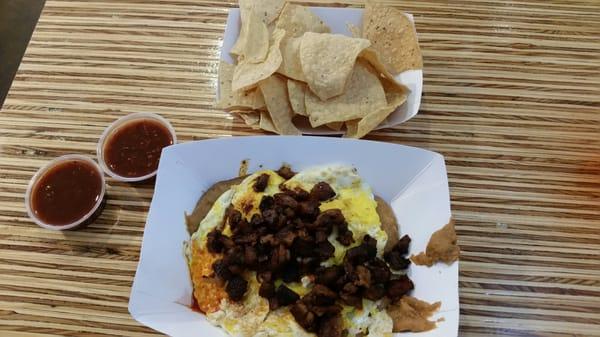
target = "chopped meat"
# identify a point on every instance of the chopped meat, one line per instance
(291, 272)
(331, 326)
(245, 238)
(345, 237)
(353, 300)
(272, 219)
(213, 241)
(396, 260)
(286, 236)
(363, 276)
(266, 203)
(236, 288)
(374, 292)
(234, 217)
(227, 242)
(399, 287)
(285, 296)
(288, 213)
(241, 226)
(269, 240)
(303, 248)
(357, 255)
(296, 193)
(286, 172)
(329, 218)
(380, 272)
(273, 303)
(329, 275)
(402, 245)
(369, 241)
(261, 183)
(349, 288)
(264, 276)
(279, 257)
(234, 255)
(235, 269)
(221, 270)
(250, 256)
(324, 250)
(284, 200)
(321, 295)
(256, 221)
(304, 316)
(308, 209)
(327, 310)
(266, 290)
(321, 236)
(322, 191)
(308, 265)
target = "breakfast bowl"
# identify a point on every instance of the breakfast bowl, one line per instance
(67, 193)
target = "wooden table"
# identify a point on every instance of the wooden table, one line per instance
(511, 99)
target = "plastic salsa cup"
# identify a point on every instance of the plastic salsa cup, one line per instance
(67, 193)
(129, 149)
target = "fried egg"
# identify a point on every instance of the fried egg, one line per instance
(251, 317)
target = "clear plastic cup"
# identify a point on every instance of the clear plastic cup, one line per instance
(84, 220)
(118, 124)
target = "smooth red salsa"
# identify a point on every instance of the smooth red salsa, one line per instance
(66, 192)
(133, 150)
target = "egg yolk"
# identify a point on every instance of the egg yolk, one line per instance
(208, 291)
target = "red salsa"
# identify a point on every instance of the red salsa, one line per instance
(133, 150)
(66, 192)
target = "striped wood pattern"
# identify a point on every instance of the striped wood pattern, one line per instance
(511, 98)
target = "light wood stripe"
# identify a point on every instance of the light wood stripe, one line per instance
(511, 99)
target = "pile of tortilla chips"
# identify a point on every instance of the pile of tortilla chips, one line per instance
(290, 67)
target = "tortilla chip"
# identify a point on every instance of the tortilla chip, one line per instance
(290, 62)
(251, 118)
(246, 74)
(267, 10)
(395, 94)
(354, 30)
(259, 101)
(274, 91)
(266, 123)
(351, 127)
(297, 93)
(230, 100)
(394, 36)
(372, 57)
(363, 94)
(297, 20)
(336, 126)
(328, 60)
(254, 39)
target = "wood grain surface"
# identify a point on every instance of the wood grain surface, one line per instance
(511, 99)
